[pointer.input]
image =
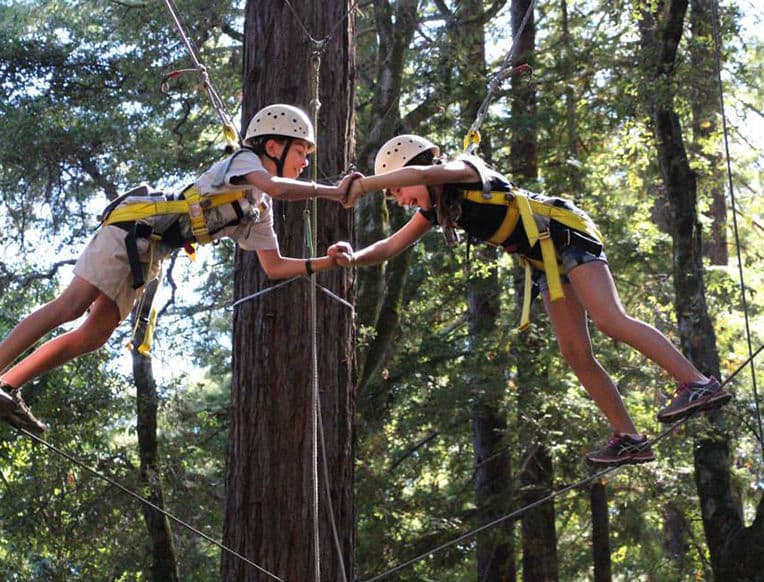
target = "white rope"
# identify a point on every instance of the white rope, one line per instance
(316, 399)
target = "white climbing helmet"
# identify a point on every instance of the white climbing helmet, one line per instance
(400, 150)
(284, 120)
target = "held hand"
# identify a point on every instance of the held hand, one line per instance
(341, 254)
(350, 184)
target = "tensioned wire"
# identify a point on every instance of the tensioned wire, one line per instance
(146, 502)
(733, 204)
(559, 492)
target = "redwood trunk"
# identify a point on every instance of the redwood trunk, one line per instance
(269, 482)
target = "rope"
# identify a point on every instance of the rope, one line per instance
(146, 502)
(582, 482)
(472, 139)
(263, 292)
(331, 32)
(717, 57)
(311, 230)
(311, 235)
(229, 130)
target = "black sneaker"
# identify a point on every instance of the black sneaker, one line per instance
(15, 411)
(693, 397)
(622, 449)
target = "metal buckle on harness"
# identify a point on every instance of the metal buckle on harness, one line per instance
(195, 210)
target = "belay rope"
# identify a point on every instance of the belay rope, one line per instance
(733, 203)
(229, 130)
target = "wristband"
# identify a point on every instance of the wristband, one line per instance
(308, 267)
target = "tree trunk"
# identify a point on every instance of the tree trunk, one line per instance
(573, 171)
(675, 543)
(736, 551)
(536, 475)
(600, 532)
(379, 287)
(704, 93)
(493, 485)
(493, 479)
(270, 484)
(524, 146)
(164, 563)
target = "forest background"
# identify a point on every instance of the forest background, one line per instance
(85, 116)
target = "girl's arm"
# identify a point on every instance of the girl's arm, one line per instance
(383, 249)
(452, 172)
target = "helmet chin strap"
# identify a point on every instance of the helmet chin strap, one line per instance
(280, 161)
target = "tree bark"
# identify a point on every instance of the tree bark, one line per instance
(269, 482)
(540, 561)
(736, 551)
(379, 287)
(493, 477)
(704, 94)
(600, 532)
(164, 563)
(493, 484)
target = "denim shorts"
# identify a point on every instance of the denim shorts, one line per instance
(571, 257)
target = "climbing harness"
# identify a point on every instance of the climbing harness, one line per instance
(550, 222)
(547, 223)
(131, 211)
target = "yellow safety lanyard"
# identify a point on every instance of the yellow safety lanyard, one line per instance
(522, 208)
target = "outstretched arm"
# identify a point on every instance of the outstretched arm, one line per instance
(290, 190)
(278, 267)
(383, 249)
(452, 172)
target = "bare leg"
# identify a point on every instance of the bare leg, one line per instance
(100, 323)
(569, 324)
(594, 287)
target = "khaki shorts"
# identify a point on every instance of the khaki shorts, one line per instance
(104, 264)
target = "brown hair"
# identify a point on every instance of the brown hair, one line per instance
(447, 200)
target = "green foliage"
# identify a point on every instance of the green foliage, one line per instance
(84, 118)
(419, 409)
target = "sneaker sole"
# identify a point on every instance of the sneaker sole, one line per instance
(712, 403)
(621, 461)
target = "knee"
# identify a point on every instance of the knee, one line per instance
(577, 354)
(612, 324)
(63, 309)
(93, 336)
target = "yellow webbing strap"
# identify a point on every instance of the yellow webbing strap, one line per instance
(525, 313)
(524, 209)
(194, 204)
(499, 199)
(548, 254)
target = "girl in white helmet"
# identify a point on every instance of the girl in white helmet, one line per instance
(232, 199)
(564, 258)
